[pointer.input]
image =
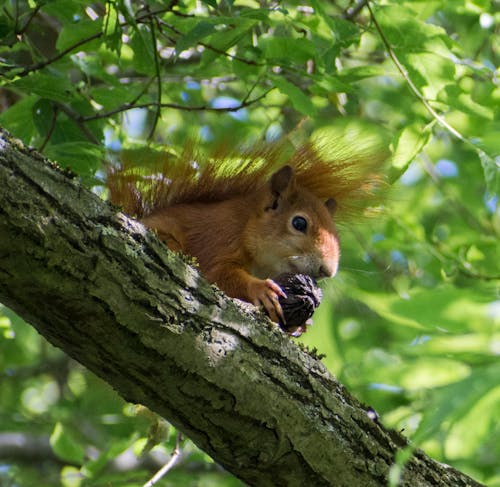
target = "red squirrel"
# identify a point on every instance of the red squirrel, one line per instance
(248, 219)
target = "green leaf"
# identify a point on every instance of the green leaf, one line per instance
(195, 35)
(456, 98)
(491, 168)
(71, 476)
(287, 50)
(343, 31)
(468, 346)
(113, 96)
(111, 29)
(82, 157)
(44, 116)
(47, 86)
(7, 32)
(477, 428)
(246, 70)
(450, 403)
(330, 84)
(18, 118)
(210, 3)
(67, 11)
(83, 32)
(66, 446)
(237, 29)
(409, 34)
(6, 331)
(93, 467)
(431, 73)
(445, 308)
(143, 50)
(357, 73)
(408, 143)
(346, 32)
(261, 14)
(298, 98)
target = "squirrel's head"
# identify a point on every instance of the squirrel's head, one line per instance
(293, 231)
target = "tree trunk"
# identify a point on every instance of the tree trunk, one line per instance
(99, 286)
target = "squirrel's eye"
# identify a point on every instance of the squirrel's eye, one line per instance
(299, 223)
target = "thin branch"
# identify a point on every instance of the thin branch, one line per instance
(199, 108)
(34, 450)
(80, 121)
(42, 64)
(173, 460)
(23, 29)
(158, 80)
(214, 49)
(76, 117)
(409, 82)
(250, 91)
(53, 120)
(352, 12)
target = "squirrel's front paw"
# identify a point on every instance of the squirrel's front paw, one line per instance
(266, 293)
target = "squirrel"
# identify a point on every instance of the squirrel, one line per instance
(248, 218)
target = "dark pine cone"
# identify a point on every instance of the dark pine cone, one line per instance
(303, 297)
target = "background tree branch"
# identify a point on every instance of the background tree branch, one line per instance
(97, 285)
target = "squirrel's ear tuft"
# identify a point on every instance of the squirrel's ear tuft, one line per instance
(331, 205)
(282, 180)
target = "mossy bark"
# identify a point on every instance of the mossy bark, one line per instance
(107, 292)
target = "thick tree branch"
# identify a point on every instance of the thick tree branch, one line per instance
(107, 292)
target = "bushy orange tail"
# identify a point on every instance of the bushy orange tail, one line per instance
(328, 170)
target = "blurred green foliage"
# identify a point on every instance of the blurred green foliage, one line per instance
(411, 324)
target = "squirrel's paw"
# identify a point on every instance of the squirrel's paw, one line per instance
(266, 293)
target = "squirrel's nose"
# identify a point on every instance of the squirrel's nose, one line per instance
(325, 271)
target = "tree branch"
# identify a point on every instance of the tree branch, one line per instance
(186, 108)
(47, 62)
(106, 291)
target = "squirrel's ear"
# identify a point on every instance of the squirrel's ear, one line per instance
(282, 181)
(331, 205)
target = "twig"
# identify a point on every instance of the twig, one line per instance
(212, 48)
(42, 64)
(53, 119)
(408, 80)
(23, 29)
(352, 12)
(129, 106)
(77, 119)
(158, 80)
(173, 460)
(250, 91)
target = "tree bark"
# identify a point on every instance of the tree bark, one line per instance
(99, 286)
